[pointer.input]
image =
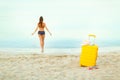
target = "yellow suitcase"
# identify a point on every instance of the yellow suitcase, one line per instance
(89, 54)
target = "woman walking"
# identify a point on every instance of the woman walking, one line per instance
(41, 33)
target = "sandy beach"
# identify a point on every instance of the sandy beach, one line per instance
(57, 67)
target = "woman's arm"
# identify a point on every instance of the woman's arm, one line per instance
(35, 30)
(48, 30)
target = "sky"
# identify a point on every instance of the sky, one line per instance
(68, 20)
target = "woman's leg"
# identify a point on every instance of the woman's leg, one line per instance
(41, 38)
(42, 42)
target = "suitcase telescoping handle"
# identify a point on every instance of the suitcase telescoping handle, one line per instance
(92, 36)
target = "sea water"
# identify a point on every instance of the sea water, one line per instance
(101, 50)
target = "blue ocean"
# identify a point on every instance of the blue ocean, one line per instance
(60, 46)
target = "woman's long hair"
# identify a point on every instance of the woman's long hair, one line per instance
(40, 22)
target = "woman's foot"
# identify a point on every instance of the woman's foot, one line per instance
(42, 51)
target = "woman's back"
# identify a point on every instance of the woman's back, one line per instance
(41, 26)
